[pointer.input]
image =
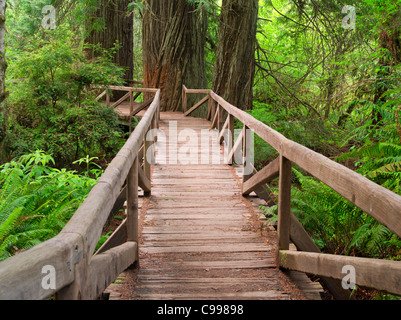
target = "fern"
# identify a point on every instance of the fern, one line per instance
(380, 162)
(336, 225)
(36, 201)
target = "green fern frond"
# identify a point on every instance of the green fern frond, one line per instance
(9, 223)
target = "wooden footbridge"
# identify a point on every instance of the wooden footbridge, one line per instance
(193, 234)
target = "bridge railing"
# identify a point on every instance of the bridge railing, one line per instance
(67, 266)
(134, 108)
(375, 200)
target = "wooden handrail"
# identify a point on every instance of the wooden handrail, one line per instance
(375, 200)
(186, 91)
(129, 95)
(78, 273)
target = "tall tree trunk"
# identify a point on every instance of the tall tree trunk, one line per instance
(3, 67)
(174, 34)
(235, 56)
(118, 26)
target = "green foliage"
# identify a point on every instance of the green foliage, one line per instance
(380, 162)
(89, 161)
(53, 107)
(335, 224)
(336, 92)
(36, 201)
(311, 132)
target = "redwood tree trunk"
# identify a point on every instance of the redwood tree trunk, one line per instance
(174, 34)
(235, 56)
(115, 25)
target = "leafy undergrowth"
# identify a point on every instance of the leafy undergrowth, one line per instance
(36, 201)
(335, 224)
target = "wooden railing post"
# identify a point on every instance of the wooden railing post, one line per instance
(284, 204)
(209, 108)
(245, 155)
(230, 139)
(184, 99)
(131, 109)
(212, 107)
(219, 118)
(132, 203)
(147, 160)
(107, 98)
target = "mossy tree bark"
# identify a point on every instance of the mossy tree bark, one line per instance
(110, 23)
(235, 56)
(174, 35)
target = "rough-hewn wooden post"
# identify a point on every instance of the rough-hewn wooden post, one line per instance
(131, 109)
(107, 98)
(219, 118)
(132, 203)
(245, 153)
(284, 204)
(147, 160)
(184, 99)
(230, 138)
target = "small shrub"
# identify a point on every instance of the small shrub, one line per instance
(52, 106)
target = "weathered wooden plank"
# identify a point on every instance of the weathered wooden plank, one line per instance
(203, 280)
(204, 236)
(197, 91)
(132, 203)
(155, 212)
(122, 88)
(89, 219)
(303, 242)
(100, 96)
(284, 204)
(141, 107)
(223, 223)
(185, 215)
(215, 119)
(230, 264)
(121, 100)
(237, 144)
(271, 136)
(223, 131)
(117, 238)
(257, 295)
(27, 276)
(383, 275)
(267, 174)
(196, 106)
(184, 99)
(104, 268)
(210, 248)
(375, 200)
(118, 204)
(144, 182)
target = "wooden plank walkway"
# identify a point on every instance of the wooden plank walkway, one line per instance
(198, 234)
